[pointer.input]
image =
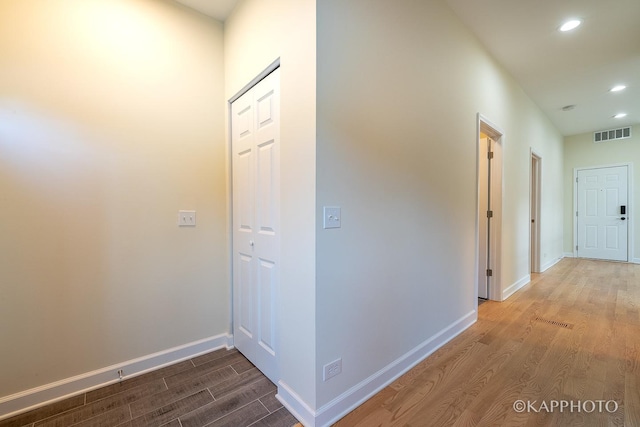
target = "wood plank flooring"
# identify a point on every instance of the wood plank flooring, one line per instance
(217, 389)
(572, 335)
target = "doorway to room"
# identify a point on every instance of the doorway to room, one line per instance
(489, 216)
(536, 197)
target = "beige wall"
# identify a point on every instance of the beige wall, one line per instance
(399, 88)
(580, 151)
(257, 33)
(111, 120)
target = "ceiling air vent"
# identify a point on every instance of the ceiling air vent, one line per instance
(613, 134)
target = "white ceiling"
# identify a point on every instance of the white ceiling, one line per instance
(218, 9)
(574, 68)
(555, 69)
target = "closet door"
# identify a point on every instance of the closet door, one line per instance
(255, 127)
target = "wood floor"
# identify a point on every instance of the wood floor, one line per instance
(221, 388)
(572, 335)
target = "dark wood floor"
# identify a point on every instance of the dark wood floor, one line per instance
(221, 388)
(572, 334)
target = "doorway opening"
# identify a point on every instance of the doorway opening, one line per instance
(536, 197)
(489, 219)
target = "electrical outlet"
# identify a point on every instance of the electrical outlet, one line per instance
(332, 369)
(186, 218)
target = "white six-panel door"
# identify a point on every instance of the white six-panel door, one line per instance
(255, 141)
(601, 226)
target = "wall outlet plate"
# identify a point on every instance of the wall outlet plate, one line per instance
(332, 369)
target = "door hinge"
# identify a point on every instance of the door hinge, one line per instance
(576, 213)
(489, 272)
(576, 247)
(489, 214)
(576, 179)
(490, 155)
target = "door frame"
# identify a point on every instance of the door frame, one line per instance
(535, 186)
(275, 64)
(484, 125)
(630, 205)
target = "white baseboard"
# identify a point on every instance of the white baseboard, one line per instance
(633, 260)
(550, 264)
(516, 286)
(296, 405)
(358, 394)
(27, 400)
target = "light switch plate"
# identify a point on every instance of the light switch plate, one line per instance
(186, 218)
(332, 217)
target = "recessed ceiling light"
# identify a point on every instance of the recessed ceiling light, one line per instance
(620, 115)
(617, 88)
(570, 25)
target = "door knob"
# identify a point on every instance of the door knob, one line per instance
(623, 218)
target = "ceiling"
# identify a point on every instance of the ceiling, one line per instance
(555, 69)
(574, 68)
(218, 9)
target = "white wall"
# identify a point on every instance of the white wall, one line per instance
(545, 143)
(111, 120)
(257, 33)
(399, 88)
(580, 152)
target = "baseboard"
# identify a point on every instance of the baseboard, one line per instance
(358, 394)
(633, 260)
(550, 264)
(515, 287)
(296, 405)
(27, 400)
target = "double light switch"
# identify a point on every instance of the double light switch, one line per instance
(186, 218)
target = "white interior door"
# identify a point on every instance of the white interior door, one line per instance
(602, 226)
(255, 141)
(484, 200)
